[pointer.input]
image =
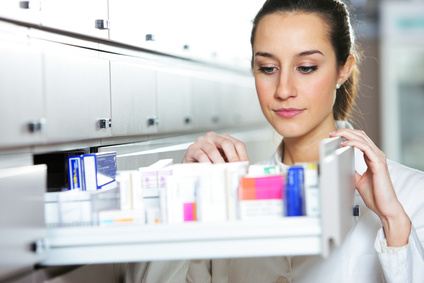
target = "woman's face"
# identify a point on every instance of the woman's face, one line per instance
(295, 73)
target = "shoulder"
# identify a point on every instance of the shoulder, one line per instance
(409, 187)
(402, 174)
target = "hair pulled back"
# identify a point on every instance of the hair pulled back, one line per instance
(335, 14)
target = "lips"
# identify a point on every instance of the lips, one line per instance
(288, 112)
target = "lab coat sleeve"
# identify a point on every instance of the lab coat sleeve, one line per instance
(405, 264)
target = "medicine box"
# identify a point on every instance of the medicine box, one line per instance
(90, 172)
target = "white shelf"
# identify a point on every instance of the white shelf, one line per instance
(194, 240)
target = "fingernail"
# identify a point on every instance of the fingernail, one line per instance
(333, 133)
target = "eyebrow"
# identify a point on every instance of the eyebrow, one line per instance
(301, 54)
(264, 54)
(309, 52)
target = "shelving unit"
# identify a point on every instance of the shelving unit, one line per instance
(193, 240)
(85, 245)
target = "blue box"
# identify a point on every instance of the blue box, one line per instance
(75, 173)
(294, 195)
(90, 172)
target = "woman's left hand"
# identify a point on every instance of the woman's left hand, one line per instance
(376, 188)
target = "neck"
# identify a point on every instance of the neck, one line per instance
(306, 148)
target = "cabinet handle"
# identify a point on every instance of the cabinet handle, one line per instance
(150, 37)
(215, 119)
(105, 123)
(102, 24)
(36, 125)
(39, 246)
(153, 121)
(187, 120)
(24, 4)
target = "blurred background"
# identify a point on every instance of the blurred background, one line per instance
(391, 34)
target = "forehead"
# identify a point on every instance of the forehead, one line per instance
(291, 32)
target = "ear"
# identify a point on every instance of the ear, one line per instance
(346, 69)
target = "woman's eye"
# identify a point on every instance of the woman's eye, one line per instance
(307, 69)
(267, 70)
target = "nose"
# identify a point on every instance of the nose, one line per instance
(286, 86)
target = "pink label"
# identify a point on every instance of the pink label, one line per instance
(269, 187)
(189, 211)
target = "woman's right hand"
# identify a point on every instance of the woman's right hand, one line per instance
(214, 148)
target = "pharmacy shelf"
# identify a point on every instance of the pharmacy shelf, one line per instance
(197, 240)
(190, 240)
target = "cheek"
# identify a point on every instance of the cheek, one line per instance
(322, 91)
(262, 90)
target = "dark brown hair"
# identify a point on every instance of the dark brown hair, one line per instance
(335, 13)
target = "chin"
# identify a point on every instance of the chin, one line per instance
(290, 131)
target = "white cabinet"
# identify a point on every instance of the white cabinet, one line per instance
(21, 107)
(206, 31)
(207, 102)
(77, 93)
(22, 218)
(239, 101)
(135, 22)
(174, 99)
(133, 96)
(165, 26)
(176, 22)
(78, 16)
(25, 11)
(220, 31)
(224, 99)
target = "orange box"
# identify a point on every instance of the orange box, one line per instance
(247, 189)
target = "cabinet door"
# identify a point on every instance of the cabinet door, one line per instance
(241, 95)
(20, 90)
(201, 30)
(77, 93)
(134, 22)
(224, 99)
(77, 16)
(247, 109)
(25, 11)
(208, 103)
(22, 218)
(174, 100)
(175, 26)
(133, 91)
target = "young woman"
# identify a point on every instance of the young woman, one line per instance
(304, 65)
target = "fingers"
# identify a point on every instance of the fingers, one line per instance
(203, 150)
(360, 140)
(195, 154)
(239, 147)
(214, 148)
